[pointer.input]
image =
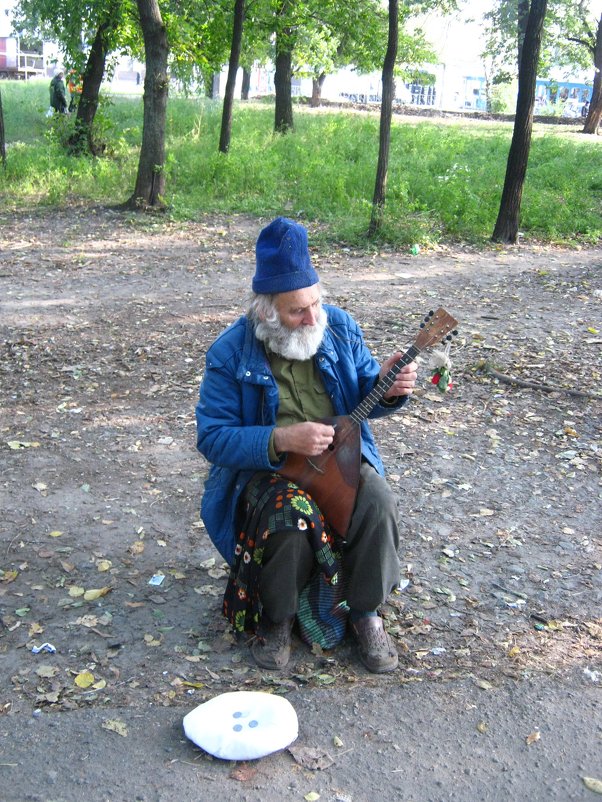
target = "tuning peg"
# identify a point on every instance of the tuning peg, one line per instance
(455, 332)
(449, 337)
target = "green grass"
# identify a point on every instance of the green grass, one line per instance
(444, 181)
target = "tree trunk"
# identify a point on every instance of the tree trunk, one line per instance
(82, 139)
(150, 182)
(316, 90)
(386, 111)
(283, 120)
(246, 84)
(594, 115)
(506, 227)
(239, 15)
(2, 136)
(521, 21)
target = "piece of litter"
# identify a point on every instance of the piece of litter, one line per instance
(156, 579)
(45, 647)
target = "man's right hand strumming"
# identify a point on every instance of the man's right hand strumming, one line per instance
(308, 438)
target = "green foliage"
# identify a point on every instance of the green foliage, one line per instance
(24, 110)
(74, 25)
(444, 179)
(568, 35)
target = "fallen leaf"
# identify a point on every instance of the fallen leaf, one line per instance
(16, 445)
(595, 630)
(46, 671)
(55, 533)
(103, 565)
(312, 796)
(35, 629)
(533, 737)
(84, 679)
(482, 683)
(96, 593)
(40, 487)
(51, 697)
(243, 772)
(87, 621)
(208, 590)
(311, 758)
(115, 725)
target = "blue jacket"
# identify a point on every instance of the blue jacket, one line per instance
(237, 407)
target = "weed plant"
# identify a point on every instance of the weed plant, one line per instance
(444, 181)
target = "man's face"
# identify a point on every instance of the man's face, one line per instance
(299, 307)
(296, 327)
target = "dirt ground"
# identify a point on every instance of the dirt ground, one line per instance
(104, 324)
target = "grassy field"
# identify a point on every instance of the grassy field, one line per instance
(444, 181)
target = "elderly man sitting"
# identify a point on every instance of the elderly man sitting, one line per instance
(270, 379)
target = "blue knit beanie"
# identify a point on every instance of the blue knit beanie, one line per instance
(282, 258)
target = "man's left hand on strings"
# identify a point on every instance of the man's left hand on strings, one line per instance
(405, 380)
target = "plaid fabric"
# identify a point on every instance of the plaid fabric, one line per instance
(322, 613)
(273, 504)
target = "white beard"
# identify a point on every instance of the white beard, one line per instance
(298, 344)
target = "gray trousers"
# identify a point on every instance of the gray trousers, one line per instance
(370, 560)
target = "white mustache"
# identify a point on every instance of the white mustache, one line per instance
(299, 344)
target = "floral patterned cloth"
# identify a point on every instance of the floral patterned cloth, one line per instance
(272, 504)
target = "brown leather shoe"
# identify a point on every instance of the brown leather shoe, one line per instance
(272, 645)
(376, 649)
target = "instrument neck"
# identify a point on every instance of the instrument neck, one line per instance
(363, 410)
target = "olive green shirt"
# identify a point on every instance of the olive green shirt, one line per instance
(302, 395)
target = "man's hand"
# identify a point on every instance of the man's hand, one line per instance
(405, 380)
(308, 438)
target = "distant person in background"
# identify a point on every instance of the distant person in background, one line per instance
(58, 94)
(75, 87)
(585, 109)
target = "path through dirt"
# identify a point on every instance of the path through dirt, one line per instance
(104, 324)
